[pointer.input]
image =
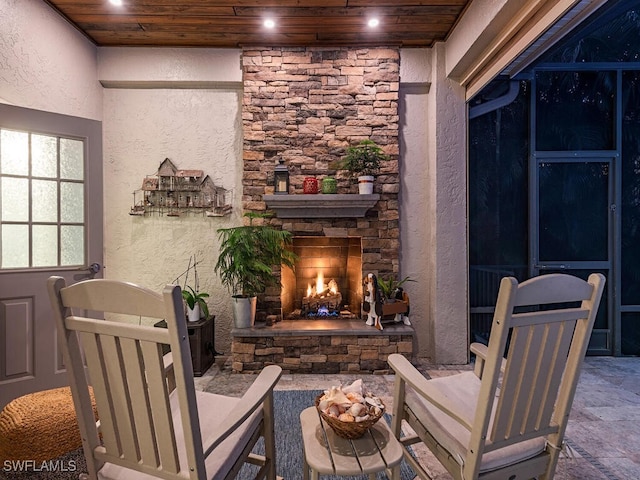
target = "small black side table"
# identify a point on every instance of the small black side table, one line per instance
(201, 341)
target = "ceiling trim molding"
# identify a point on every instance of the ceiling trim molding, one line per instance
(168, 84)
(520, 31)
(557, 32)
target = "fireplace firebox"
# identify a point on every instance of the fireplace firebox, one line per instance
(327, 282)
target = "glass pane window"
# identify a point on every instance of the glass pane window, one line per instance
(71, 159)
(45, 245)
(575, 110)
(574, 211)
(630, 332)
(15, 199)
(14, 152)
(15, 246)
(44, 152)
(72, 202)
(72, 241)
(42, 194)
(630, 211)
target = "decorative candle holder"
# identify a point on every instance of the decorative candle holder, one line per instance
(310, 185)
(329, 185)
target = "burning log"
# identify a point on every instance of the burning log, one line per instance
(322, 297)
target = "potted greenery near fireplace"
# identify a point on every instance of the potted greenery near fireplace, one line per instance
(363, 161)
(248, 254)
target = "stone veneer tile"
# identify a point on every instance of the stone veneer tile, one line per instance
(306, 106)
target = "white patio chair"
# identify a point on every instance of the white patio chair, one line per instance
(147, 428)
(507, 418)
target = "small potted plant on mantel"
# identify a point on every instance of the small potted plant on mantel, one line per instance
(363, 161)
(245, 264)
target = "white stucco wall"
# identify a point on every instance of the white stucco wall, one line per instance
(415, 78)
(196, 128)
(45, 63)
(212, 66)
(447, 214)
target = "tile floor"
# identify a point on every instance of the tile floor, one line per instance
(603, 430)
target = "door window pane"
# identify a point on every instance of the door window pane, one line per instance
(71, 159)
(72, 202)
(72, 245)
(44, 154)
(45, 245)
(574, 211)
(42, 200)
(15, 246)
(15, 199)
(44, 194)
(14, 153)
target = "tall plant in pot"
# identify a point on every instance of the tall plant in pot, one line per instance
(245, 264)
(363, 161)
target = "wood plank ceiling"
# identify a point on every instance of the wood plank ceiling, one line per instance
(236, 23)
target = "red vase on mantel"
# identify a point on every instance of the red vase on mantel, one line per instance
(310, 185)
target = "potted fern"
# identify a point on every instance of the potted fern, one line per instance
(245, 264)
(363, 161)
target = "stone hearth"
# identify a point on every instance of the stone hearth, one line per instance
(320, 346)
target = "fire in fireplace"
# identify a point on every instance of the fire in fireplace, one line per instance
(322, 299)
(328, 279)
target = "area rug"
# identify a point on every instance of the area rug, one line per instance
(287, 406)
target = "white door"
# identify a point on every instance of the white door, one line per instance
(50, 224)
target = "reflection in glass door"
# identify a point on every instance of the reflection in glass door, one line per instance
(572, 225)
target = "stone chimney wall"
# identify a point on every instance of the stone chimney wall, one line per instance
(306, 106)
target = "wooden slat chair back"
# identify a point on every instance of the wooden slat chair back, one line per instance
(512, 410)
(146, 425)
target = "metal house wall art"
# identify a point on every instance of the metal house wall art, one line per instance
(175, 192)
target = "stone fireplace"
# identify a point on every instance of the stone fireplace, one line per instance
(306, 106)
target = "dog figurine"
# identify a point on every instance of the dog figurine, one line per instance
(402, 317)
(373, 301)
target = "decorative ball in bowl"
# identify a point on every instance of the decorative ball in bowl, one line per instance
(350, 411)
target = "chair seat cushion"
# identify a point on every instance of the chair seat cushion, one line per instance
(461, 391)
(211, 409)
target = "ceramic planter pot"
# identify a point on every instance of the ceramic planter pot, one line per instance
(193, 314)
(365, 184)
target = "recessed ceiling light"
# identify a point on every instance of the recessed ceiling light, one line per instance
(117, 3)
(268, 23)
(373, 22)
